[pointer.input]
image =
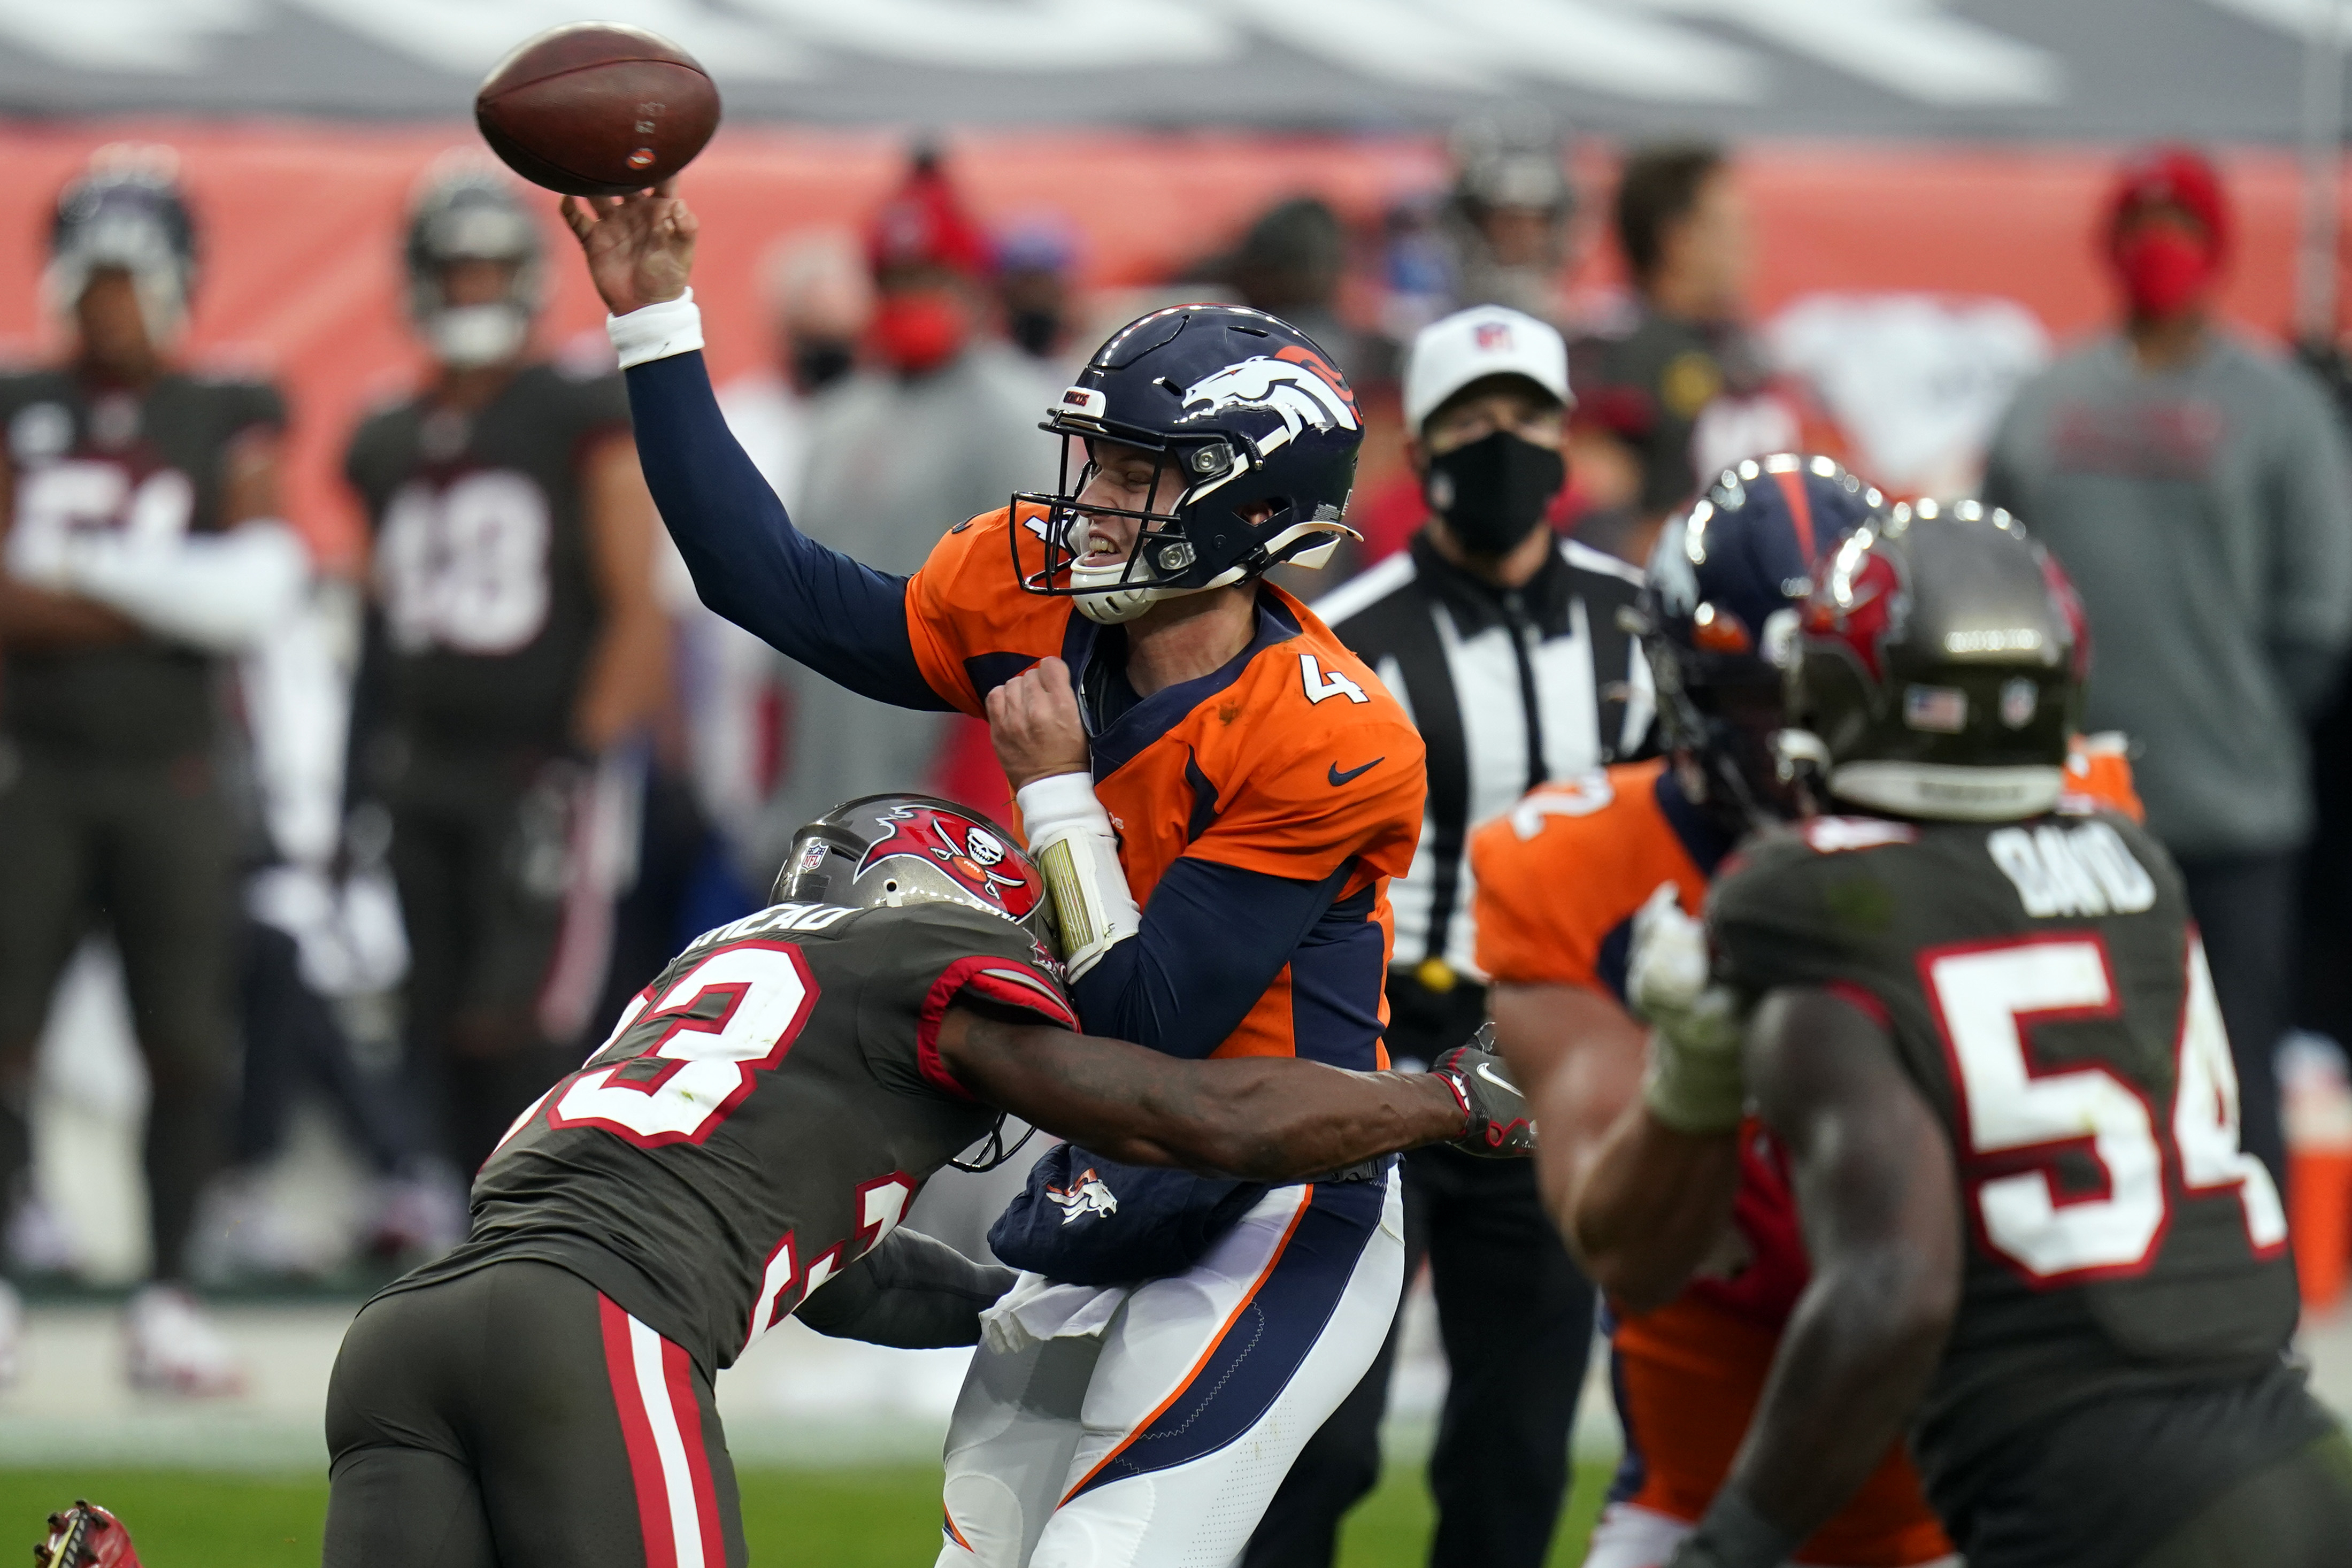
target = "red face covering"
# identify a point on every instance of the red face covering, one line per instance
(2164, 271)
(916, 331)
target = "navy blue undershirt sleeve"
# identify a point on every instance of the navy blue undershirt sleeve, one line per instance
(1213, 939)
(842, 619)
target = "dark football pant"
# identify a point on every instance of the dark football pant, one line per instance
(482, 851)
(1515, 1318)
(515, 1417)
(2296, 1513)
(149, 852)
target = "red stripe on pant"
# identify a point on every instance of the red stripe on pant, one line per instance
(637, 1435)
(677, 1375)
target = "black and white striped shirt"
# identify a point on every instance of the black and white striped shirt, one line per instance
(1508, 688)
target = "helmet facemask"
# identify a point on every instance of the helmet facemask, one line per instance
(1200, 501)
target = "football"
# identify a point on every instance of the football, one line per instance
(595, 109)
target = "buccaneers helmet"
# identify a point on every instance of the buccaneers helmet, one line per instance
(126, 211)
(1718, 613)
(1939, 667)
(884, 851)
(1241, 412)
(466, 210)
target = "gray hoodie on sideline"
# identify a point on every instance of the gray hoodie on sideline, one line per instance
(2204, 516)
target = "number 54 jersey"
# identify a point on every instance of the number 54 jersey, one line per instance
(758, 1119)
(2045, 989)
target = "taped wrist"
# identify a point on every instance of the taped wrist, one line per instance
(657, 331)
(1070, 838)
(1693, 1081)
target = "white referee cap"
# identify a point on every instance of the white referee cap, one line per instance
(1470, 345)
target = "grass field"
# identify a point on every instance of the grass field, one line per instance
(798, 1519)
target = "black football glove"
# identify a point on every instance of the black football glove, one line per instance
(1501, 1127)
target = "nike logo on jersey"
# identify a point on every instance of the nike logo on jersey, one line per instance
(1338, 778)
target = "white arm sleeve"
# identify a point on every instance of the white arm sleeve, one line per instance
(217, 591)
(656, 331)
(1070, 838)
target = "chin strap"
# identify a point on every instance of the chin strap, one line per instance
(1070, 838)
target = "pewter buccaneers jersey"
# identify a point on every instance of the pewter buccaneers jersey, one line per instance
(758, 1119)
(2046, 989)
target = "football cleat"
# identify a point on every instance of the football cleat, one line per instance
(85, 1536)
(1502, 1127)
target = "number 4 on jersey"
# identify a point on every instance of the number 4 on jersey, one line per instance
(2013, 1112)
(1321, 685)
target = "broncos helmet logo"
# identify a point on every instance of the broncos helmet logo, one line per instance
(972, 855)
(1083, 1196)
(1296, 386)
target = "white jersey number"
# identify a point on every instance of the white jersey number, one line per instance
(54, 500)
(465, 567)
(1321, 685)
(2010, 1109)
(731, 1016)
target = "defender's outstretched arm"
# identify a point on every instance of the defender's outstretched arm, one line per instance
(1266, 1118)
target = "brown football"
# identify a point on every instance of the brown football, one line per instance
(595, 109)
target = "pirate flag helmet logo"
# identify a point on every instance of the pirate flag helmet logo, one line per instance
(888, 850)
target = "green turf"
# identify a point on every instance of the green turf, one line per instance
(820, 1518)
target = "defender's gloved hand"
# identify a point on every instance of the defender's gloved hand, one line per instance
(1501, 1127)
(1693, 1081)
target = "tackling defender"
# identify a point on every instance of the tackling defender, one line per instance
(753, 1129)
(1987, 1039)
(1218, 791)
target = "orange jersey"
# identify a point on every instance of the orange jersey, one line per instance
(2099, 776)
(1293, 761)
(1560, 878)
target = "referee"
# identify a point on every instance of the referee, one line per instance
(1506, 644)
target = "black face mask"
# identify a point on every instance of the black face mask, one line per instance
(818, 363)
(1493, 492)
(1033, 331)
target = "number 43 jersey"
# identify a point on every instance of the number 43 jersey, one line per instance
(2046, 991)
(760, 1118)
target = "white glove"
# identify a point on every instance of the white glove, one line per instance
(1692, 1082)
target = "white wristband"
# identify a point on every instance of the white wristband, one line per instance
(657, 331)
(1071, 839)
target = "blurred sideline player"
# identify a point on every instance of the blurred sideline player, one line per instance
(517, 639)
(1986, 1036)
(1219, 828)
(140, 504)
(753, 1130)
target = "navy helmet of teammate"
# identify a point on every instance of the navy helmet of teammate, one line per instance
(1719, 614)
(143, 546)
(1986, 1035)
(741, 1148)
(516, 646)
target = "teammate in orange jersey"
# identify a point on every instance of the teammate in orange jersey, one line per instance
(1561, 879)
(1217, 792)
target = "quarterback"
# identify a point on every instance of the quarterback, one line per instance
(1217, 793)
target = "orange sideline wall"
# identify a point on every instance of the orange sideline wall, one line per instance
(301, 224)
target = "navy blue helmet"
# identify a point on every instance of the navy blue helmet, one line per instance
(1719, 610)
(1242, 414)
(126, 211)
